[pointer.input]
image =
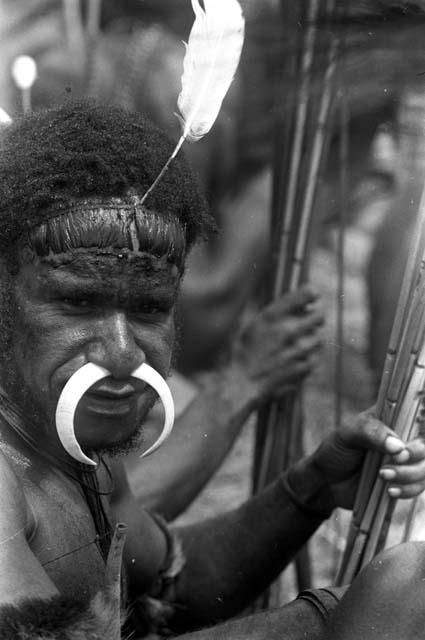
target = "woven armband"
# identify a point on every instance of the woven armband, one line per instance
(153, 612)
(315, 505)
(324, 600)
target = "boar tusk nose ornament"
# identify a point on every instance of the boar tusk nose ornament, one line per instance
(86, 377)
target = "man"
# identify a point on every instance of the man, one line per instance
(137, 64)
(89, 275)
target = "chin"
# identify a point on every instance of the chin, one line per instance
(121, 447)
(111, 434)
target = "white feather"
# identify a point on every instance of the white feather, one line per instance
(212, 56)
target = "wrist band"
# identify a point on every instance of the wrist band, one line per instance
(312, 506)
(324, 600)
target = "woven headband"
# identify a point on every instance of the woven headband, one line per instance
(147, 230)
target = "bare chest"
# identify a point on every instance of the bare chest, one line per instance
(64, 538)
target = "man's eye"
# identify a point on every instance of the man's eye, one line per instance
(151, 310)
(76, 303)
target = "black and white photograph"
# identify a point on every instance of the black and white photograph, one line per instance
(212, 319)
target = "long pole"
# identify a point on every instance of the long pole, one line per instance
(279, 433)
(399, 402)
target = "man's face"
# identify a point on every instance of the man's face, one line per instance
(113, 309)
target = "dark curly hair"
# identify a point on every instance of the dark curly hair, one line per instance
(82, 150)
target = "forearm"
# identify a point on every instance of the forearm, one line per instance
(298, 620)
(231, 559)
(203, 435)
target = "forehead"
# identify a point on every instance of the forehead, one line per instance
(104, 243)
(105, 272)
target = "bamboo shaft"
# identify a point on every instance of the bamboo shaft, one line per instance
(343, 200)
(403, 426)
(316, 160)
(287, 216)
(407, 292)
(368, 536)
(113, 577)
(297, 143)
(282, 441)
(408, 529)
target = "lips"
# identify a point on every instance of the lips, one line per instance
(111, 398)
(112, 391)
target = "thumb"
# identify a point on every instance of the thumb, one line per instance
(367, 432)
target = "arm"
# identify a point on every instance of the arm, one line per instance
(273, 351)
(297, 620)
(233, 557)
(221, 571)
(202, 436)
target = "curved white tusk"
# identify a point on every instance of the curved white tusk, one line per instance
(81, 381)
(75, 388)
(155, 380)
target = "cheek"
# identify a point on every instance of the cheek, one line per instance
(39, 344)
(158, 345)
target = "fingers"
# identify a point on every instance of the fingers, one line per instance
(414, 452)
(278, 380)
(301, 349)
(294, 302)
(292, 361)
(409, 491)
(293, 328)
(291, 332)
(405, 472)
(367, 432)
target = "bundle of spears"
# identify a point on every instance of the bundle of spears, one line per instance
(399, 405)
(303, 133)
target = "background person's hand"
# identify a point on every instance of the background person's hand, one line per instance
(279, 346)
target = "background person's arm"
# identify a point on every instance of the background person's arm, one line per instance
(275, 350)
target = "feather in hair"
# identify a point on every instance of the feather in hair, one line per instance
(212, 57)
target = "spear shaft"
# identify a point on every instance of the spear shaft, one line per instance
(279, 433)
(399, 403)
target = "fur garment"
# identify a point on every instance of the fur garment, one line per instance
(59, 618)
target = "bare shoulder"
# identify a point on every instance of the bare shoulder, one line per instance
(14, 513)
(21, 575)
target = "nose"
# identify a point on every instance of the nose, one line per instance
(115, 347)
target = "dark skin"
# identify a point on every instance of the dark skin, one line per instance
(117, 311)
(271, 356)
(389, 593)
(66, 316)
